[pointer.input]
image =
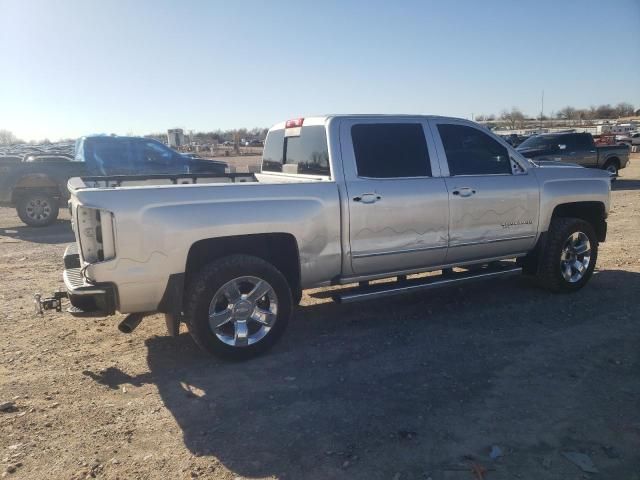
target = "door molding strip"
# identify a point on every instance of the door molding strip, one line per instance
(395, 252)
(506, 239)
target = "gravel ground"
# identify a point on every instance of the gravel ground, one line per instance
(413, 387)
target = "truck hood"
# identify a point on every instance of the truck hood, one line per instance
(554, 164)
(534, 152)
(564, 169)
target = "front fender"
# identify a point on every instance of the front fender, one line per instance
(559, 186)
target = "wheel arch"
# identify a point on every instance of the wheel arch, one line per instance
(39, 182)
(279, 249)
(612, 159)
(593, 212)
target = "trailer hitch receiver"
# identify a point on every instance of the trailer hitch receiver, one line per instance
(49, 303)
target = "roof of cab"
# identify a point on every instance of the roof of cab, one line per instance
(322, 119)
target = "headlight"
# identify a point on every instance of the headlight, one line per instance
(96, 235)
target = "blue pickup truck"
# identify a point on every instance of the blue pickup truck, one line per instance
(36, 185)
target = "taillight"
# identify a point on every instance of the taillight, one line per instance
(96, 234)
(294, 123)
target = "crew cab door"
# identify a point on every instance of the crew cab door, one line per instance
(493, 200)
(578, 148)
(397, 201)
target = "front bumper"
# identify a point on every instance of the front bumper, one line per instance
(87, 299)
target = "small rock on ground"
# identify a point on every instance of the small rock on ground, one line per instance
(581, 460)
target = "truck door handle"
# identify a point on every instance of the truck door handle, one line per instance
(367, 198)
(464, 192)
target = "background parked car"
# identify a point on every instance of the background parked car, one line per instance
(36, 185)
(575, 148)
(632, 138)
(514, 139)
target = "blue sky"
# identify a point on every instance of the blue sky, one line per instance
(76, 67)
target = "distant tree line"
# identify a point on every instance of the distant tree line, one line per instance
(515, 118)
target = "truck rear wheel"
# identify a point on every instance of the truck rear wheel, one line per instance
(37, 209)
(569, 255)
(238, 306)
(612, 167)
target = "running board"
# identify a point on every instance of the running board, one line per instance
(380, 290)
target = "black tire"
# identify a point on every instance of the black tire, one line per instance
(612, 166)
(37, 209)
(208, 281)
(549, 273)
(297, 297)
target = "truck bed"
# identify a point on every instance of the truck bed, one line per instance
(112, 181)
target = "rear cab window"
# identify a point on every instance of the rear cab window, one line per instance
(297, 149)
(390, 150)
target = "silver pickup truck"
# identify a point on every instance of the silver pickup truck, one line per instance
(419, 201)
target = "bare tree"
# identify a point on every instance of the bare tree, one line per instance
(515, 118)
(568, 113)
(8, 138)
(583, 114)
(624, 109)
(605, 111)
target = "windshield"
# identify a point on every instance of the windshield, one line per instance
(540, 141)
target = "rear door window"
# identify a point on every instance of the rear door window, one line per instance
(570, 143)
(584, 142)
(306, 153)
(390, 150)
(472, 152)
(107, 156)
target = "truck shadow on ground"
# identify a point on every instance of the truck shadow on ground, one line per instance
(625, 184)
(59, 232)
(379, 384)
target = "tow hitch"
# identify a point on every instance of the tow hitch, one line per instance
(49, 303)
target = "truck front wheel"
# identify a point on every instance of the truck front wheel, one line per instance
(37, 209)
(238, 306)
(569, 255)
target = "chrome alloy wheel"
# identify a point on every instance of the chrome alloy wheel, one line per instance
(575, 257)
(38, 209)
(243, 311)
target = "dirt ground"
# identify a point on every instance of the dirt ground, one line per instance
(413, 387)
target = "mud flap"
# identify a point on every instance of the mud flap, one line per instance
(171, 303)
(173, 324)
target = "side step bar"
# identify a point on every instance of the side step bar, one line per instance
(368, 292)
